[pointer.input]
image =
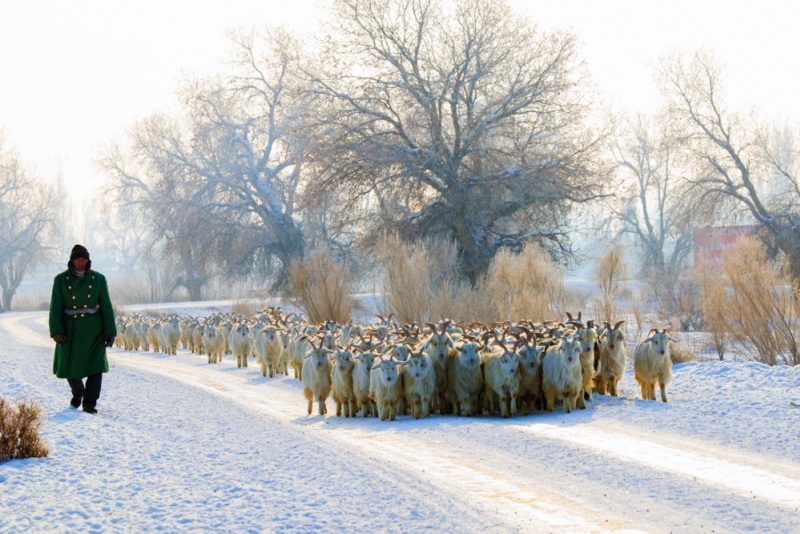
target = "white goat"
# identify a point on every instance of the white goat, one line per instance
(342, 383)
(268, 349)
(419, 383)
(465, 379)
(613, 357)
(530, 371)
(502, 382)
(385, 388)
(169, 335)
(561, 374)
(362, 373)
(587, 336)
(151, 334)
(439, 347)
(317, 377)
(652, 363)
(213, 343)
(241, 343)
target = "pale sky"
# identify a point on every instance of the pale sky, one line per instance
(76, 74)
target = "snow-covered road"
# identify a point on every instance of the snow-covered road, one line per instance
(215, 445)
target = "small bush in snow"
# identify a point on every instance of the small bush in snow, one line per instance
(19, 431)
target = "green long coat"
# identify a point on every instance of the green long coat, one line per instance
(84, 353)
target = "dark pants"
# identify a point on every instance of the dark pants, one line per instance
(90, 392)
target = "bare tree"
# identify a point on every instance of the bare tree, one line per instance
(27, 208)
(656, 205)
(146, 181)
(738, 159)
(466, 107)
(248, 145)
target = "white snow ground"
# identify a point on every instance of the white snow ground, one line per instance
(180, 445)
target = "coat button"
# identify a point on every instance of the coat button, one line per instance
(90, 287)
(74, 297)
(82, 315)
(88, 296)
(74, 307)
(69, 287)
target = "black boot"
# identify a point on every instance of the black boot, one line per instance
(93, 385)
(76, 385)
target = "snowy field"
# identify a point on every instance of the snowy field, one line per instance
(180, 445)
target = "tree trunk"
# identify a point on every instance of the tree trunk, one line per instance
(291, 248)
(8, 295)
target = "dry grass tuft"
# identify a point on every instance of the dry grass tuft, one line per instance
(756, 304)
(681, 353)
(611, 270)
(19, 431)
(320, 286)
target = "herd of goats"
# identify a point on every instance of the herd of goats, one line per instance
(388, 369)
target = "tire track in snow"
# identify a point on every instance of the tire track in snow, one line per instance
(743, 479)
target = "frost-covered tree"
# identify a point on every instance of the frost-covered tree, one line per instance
(227, 169)
(247, 149)
(27, 208)
(464, 109)
(150, 188)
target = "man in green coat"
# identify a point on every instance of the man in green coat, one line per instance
(82, 325)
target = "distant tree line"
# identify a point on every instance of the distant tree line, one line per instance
(455, 119)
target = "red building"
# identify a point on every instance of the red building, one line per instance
(711, 243)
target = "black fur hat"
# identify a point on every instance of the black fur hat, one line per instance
(79, 251)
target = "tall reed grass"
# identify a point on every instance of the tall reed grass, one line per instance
(420, 283)
(320, 286)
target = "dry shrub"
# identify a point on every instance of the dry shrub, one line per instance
(680, 300)
(406, 279)
(19, 431)
(714, 299)
(320, 286)
(528, 285)
(421, 283)
(635, 327)
(611, 270)
(758, 304)
(680, 353)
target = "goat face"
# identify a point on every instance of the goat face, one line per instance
(344, 360)
(659, 342)
(509, 363)
(571, 349)
(468, 355)
(614, 338)
(418, 366)
(388, 371)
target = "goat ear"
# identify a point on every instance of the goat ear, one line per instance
(672, 339)
(616, 326)
(648, 340)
